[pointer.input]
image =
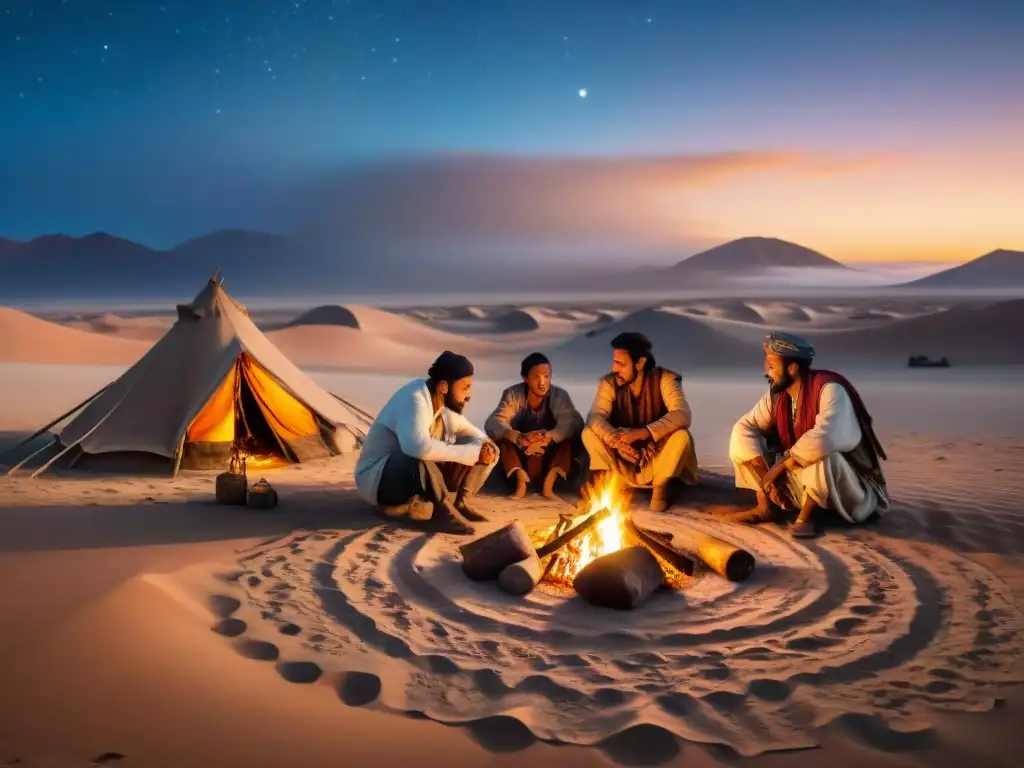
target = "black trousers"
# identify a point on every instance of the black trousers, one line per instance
(406, 476)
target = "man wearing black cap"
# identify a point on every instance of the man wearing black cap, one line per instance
(638, 426)
(536, 427)
(422, 457)
(808, 444)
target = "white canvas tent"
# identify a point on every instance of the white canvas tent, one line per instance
(211, 383)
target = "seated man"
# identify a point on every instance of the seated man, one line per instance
(535, 426)
(807, 444)
(639, 423)
(422, 457)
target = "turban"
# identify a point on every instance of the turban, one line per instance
(636, 344)
(788, 345)
(450, 367)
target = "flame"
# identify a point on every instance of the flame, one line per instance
(608, 536)
(262, 460)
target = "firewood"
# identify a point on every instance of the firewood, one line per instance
(553, 546)
(723, 558)
(520, 578)
(488, 556)
(669, 554)
(564, 521)
(620, 580)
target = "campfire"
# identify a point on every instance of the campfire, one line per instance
(612, 532)
(600, 552)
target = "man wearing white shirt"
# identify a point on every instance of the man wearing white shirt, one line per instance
(422, 457)
(807, 444)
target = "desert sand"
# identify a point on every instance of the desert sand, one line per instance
(144, 625)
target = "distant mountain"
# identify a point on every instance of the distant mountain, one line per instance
(754, 253)
(998, 269)
(101, 265)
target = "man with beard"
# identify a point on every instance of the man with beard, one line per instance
(421, 457)
(808, 444)
(535, 426)
(638, 426)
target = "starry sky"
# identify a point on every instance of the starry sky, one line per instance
(872, 130)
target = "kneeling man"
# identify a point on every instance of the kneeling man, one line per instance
(536, 427)
(638, 426)
(808, 444)
(422, 457)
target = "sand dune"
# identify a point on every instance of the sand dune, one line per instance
(517, 321)
(386, 326)
(781, 313)
(680, 342)
(25, 338)
(140, 328)
(721, 309)
(342, 348)
(989, 335)
(326, 314)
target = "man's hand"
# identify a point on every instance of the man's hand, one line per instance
(770, 481)
(628, 452)
(488, 453)
(630, 436)
(541, 438)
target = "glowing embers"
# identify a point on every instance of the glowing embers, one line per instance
(613, 531)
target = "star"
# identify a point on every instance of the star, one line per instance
(582, 93)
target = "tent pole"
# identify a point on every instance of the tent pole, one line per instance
(354, 408)
(30, 457)
(59, 419)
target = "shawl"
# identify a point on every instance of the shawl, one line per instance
(790, 428)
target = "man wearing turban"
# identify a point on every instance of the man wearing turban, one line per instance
(422, 457)
(536, 427)
(808, 444)
(638, 426)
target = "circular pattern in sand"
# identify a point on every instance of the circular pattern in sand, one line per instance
(873, 631)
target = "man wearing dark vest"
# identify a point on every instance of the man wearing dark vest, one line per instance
(808, 444)
(638, 426)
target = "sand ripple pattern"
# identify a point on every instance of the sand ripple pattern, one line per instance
(856, 627)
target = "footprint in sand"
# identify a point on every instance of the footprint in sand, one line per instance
(859, 624)
(357, 689)
(230, 627)
(106, 758)
(846, 625)
(257, 649)
(302, 672)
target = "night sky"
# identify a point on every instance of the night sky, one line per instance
(888, 130)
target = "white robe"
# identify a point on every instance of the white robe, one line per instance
(825, 475)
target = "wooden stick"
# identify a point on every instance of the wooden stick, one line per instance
(673, 557)
(564, 521)
(565, 538)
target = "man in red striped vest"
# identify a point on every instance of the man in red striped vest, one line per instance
(808, 444)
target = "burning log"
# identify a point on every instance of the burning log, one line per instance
(723, 558)
(669, 554)
(564, 521)
(488, 556)
(621, 580)
(565, 538)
